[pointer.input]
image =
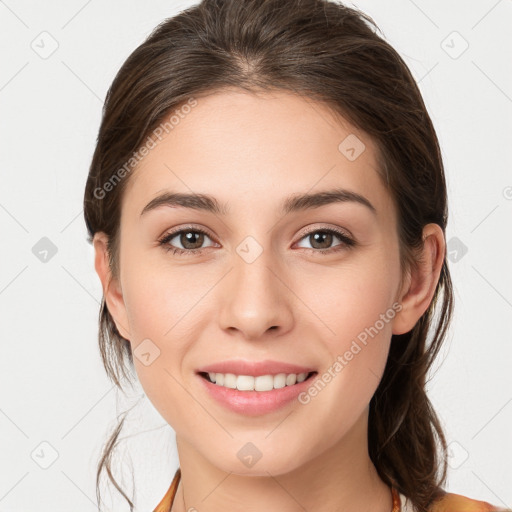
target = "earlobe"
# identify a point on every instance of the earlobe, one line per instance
(420, 286)
(112, 291)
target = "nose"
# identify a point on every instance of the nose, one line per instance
(255, 298)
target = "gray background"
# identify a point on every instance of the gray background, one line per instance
(56, 404)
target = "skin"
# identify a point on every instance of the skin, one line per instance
(251, 151)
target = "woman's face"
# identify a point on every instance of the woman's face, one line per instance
(270, 282)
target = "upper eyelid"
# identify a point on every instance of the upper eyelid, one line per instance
(313, 229)
(173, 233)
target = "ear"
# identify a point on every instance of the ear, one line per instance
(111, 286)
(418, 290)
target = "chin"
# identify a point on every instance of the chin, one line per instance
(275, 463)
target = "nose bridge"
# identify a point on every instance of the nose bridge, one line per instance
(255, 298)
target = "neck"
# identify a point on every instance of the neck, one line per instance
(343, 478)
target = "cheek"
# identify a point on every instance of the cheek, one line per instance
(159, 298)
(164, 305)
(159, 345)
(359, 315)
(353, 306)
(344, 301)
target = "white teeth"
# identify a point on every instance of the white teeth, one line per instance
(230, 380)
(263, 383)
(280, 381)
(291, 379)
(260, 383)
(245, 383)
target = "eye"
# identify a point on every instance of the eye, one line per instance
(323, 238)
(191, 240)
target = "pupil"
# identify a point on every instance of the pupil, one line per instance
(189, 237)
(327, 239)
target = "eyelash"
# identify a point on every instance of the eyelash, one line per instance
(347, 242)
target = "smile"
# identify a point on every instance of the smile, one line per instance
(259, 383)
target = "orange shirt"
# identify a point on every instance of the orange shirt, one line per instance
(450, 502)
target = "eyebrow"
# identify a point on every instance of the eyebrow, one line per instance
(293, 203)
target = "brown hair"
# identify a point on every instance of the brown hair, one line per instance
(326, 52)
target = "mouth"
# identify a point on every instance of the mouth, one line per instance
(258, 384)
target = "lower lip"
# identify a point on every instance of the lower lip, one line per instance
(255, 403)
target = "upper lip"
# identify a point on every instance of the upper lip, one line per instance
(254, 368)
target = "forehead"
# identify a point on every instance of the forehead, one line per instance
(254, 149)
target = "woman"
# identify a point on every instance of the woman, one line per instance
(267, 204)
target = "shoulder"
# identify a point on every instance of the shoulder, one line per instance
(452, 502)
